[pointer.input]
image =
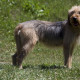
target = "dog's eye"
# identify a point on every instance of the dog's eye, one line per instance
(72, 12)
(79, 12)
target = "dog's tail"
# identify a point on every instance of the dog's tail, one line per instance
(17, 37)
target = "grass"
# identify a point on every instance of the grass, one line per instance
(42, 63)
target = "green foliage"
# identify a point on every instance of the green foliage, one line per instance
(35, 8)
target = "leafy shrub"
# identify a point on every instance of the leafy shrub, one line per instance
(35, 8)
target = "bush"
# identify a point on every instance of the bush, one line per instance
(35, 9)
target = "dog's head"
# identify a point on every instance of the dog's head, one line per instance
(74, 17)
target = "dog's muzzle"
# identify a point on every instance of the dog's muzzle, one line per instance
(75, 21)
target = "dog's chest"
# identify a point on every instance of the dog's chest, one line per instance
(78, 41)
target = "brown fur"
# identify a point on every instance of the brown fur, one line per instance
(64, 33)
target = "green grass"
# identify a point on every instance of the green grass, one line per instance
(42, 63)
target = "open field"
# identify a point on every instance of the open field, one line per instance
(42, 63)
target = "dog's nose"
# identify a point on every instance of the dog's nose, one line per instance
(74, 18)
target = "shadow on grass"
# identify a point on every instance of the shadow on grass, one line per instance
(50, 67)
(43, 66)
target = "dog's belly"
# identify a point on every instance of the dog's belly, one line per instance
(52, 42)
(52, 36)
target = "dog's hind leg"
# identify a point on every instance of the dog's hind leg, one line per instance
(24, 42)
(24, 51)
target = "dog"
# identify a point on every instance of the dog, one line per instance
(63, 33)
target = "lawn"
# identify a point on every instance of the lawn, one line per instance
(42, 63)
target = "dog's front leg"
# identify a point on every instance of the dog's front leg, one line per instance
(68, 50)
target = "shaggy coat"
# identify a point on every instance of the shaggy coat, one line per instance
(63, 33)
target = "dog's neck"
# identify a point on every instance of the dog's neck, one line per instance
(74, 29)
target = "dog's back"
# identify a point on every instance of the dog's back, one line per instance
(48, 32)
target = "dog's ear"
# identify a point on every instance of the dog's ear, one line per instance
(69, 18)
